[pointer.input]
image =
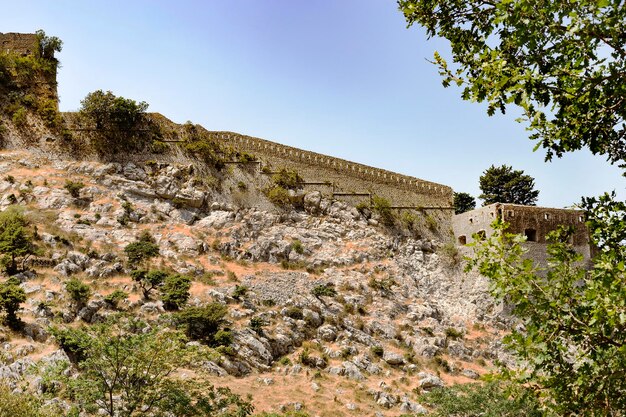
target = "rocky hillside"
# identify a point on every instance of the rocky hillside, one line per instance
(329, 311)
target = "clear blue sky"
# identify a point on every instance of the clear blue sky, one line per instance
(340, 77)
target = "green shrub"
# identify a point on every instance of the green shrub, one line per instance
(288, 179)
(383, 285)
(74, 187)
(117, 121)
(431, 223)
(19, 117)
(75, 342)
(257, 324)
(19, 404)
(140, 251)
(246, 157)
(203, 323)
(175, 291)
(296, 245)
(492, 399)
(223, 338)
(78, 291)
(10, 179)
(324, 290)
(294, 312)
(450, 254)
(11, 296)
(382, 207)
(279, 196)
(148, 280)
(116, 297)
(453, 333)
(242, 186)
(239, 291)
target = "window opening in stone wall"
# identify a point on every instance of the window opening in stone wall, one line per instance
(510, 213)
(546, 216)
(581, 219)
(481, 235)
(471, 220)
(462, 240)
(531, 235)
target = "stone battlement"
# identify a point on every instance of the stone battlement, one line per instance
(265, 147)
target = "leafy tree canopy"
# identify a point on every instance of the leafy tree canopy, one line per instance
(117, 121)
(463, 202)
(16, 241)
(11, 296)
(128, 370)
(48, 45)
(572, 344)
(563, 63)
(504, 185)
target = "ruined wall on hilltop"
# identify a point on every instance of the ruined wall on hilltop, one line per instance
(40, 82)
(24, 44)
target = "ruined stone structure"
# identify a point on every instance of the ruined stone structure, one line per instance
(44, 84)
(533, 222)
(350, 179)
(24, 44)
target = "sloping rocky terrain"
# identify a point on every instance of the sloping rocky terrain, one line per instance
(330, 311)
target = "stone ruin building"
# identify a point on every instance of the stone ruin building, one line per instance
(23, 44)
(533, 222)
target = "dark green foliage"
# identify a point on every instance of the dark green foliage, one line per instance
(141, 250)
(279, 196)
(297, 247)
(257, 324)
(504, 185)
(19, 117)
(492, 399)
(453, 333)
(18, 404)
(75, 342)
(562, 63)
(78, 291)
(16, 241)
(382, 207)
(463, 202)
(118, 122)
(288, 179)
(127, 369)
(148, 280)
(48, 45)
(11, 296)
(239, 292)
(574, 318)
(294, 312)
(200, 144)
(203, 323)
(324, 290)
(116, 297)
(175, 291)
(223, 338)
(74, 187)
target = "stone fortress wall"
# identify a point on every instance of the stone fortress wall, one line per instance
(27, 44)
(346, 179)
(23, 44)
(533, 222)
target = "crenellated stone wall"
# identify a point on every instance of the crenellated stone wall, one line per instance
(346, 176)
